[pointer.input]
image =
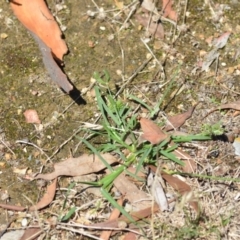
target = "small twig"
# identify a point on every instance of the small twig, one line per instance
(153, 55)
(72, 224)
(133, 75)
(79, 231)
(32, 144)
(7, 147)
(128, 17)
(185, 10)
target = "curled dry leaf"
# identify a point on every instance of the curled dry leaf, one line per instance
(37, 18)
(158, 193)
(233, 105)
(47, 197)
(31, 116)
(179, 119)
(82, 165)
(151, 131)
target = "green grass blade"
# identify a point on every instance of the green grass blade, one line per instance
(94, 150)
(172, 157)
(116, 205)
(104, 108)
(142, 159)
(69, 214)
(189, 138)
(70, 187)
(132, 97)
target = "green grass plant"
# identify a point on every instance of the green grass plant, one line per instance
(119, 133)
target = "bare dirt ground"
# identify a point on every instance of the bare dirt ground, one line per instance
(121, 47)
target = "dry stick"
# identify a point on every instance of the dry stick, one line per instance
(79, 231)
(128, 17)
(9, 149)
(34, 145)
(153, 55)
(185, 10)
(238, 93)
(144, 64)
(72, 224)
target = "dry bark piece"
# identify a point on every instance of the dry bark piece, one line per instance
(54, 71)
(37, 18)
(151, 131)
(31, 116)
(82, 165)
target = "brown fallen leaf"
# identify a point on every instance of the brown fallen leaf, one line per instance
(233, 105)
(31, 233)
(182, 187)
(151, 131)
(189, 164)
(54, 71)
(82, 165)
(12, 207)
(31, 116)
(179, 119)
(105, 235)
(47, 197)
(130, 236)
(37, 18)
(139, 215)
(131, 192)
(154, 28)
(168, 11)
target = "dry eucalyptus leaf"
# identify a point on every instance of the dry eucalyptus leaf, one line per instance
(47, 197)
(234, 105)
(151, 131)
(82, 165)
(179, 119)
(182, 187)
(131, 192)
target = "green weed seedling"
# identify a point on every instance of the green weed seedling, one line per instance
(120, 123)
(213, 130)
